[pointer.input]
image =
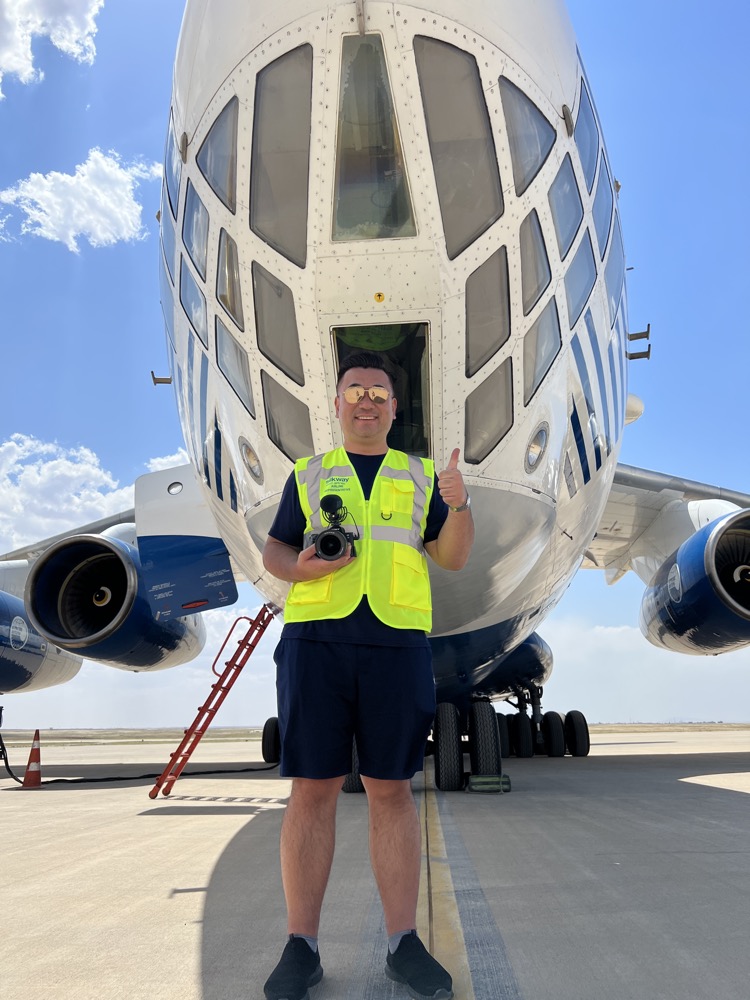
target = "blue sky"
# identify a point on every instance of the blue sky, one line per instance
(83, 119)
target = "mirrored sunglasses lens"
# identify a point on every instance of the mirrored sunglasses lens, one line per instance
(354, 393)
(378, 395)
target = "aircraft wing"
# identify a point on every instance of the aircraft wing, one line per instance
(637, 499)
(35, 549)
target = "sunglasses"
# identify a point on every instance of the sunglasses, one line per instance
(357, 392)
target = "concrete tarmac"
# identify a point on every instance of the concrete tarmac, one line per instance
(622, 875)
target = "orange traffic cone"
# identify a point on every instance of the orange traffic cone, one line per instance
(33, 776)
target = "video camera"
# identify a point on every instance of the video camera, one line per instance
(332, 541)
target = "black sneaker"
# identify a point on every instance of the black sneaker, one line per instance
(413, 965)
(299, 968)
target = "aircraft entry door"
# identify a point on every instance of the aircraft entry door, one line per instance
(405, 344)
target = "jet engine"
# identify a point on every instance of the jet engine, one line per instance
(87, 595)
(699, 600)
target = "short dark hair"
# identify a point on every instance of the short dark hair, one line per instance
(367, 359)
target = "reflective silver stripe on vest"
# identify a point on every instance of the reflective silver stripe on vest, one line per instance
(311, 477)
(384, 533)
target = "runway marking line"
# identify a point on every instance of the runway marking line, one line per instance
(438, 919)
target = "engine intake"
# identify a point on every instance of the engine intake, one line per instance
(86, 595)
(699, 601)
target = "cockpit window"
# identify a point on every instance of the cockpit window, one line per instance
(232, 360)
(461, 144)
(579, 279)
(217, 157)
(371, 199)
(281, 154)
(603, 202)
(193, 302)
(172, 167)
(587, 137)
(540, 348)
(530, 135)
(276, 321)
(567, 209)
(287, 419)
(487, 311)
(535, 272)
(489, 413)
(228, 290)
(195, 229)
(614, 273)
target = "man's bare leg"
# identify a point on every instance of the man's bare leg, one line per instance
(395, 850)
(308, 838)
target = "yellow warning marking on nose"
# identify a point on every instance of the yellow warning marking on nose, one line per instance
(438, 919)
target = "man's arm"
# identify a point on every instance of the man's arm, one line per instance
(451, 548)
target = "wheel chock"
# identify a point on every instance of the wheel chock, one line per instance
(488, 783)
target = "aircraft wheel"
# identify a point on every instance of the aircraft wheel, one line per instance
(502, 729)
(522, 736)
(577, 734)
(353, 781)
(449, 757)
(553, 732)
(484, 739)
(270, 744)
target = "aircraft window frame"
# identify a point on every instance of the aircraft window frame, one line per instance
(276, 323)
(562, 204)
(217, 157)
(166, 297)
(531, 137)
(195, 229)
(488, 413)
(285, 434)
(580, 278)
(193, 302)
(167, 227)
(587, 129)
(369, 148)
(488, 313)
(614, 272)
(280, 166)
(228, 285)
(536, 274)
(544, 333)
(172, 167)
(604, 188)
(467, 175)
(233, 362)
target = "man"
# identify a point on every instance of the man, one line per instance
(353, 660)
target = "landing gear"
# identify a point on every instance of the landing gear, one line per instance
(481, 724)
(449, 755)
(547, 733)
(270, 744)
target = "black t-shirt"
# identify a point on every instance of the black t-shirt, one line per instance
(361, 627)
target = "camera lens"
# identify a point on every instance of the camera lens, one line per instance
(331, 544)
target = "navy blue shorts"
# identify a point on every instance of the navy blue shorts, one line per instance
(329, 692)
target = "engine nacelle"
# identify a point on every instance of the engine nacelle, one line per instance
(29, 662)
(699, 600)
(86, 594)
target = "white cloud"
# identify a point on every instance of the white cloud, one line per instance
(180, 457)
(69, 24)
(97, 202)
(46, 489)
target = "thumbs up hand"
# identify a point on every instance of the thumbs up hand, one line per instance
(451, 482)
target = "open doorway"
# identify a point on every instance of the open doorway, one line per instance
(405, 344)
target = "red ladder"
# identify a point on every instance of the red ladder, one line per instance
(219, 690)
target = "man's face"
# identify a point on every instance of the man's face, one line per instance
(365, 424)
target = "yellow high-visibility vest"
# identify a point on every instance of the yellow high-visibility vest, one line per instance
(390, 566)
